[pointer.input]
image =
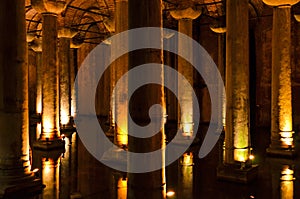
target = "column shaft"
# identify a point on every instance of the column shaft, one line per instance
(121, 67)
(281, 101)
(237, 82)
(185, 115)
(14, 115)
(145, 13)
(64, 81)
(50, 116)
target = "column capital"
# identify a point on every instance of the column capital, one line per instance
(219, 30)
(297, 17)
(46, 6)
(188, 13)
(66, 33)
(36, 45)
(30, 37)
(280, 2)
(76, 41)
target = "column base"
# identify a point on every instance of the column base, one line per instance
(68, 129)
(234, 173)
(49, 144)
(23, 187)
(115, 156)
(278, 152)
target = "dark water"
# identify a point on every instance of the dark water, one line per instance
(75, 173)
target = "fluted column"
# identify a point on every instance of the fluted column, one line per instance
(65, 35)
(282, 142)
(50, 99)
(16, 178)
(237, 165)
(185, 19)
(145, 13)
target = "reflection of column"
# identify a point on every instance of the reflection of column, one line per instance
(15, 176)
(237, 134)
(185, 178)
(287, 183)
(65, 175)
(65, 35)
(145, 13)
(282, 142)
(185, 26)
(50, 116)
(121, 64)
(50, 176)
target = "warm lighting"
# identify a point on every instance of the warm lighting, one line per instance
(122, 188)
(187, 159)
(39, 106)
(287, 138)
(287, 174)
(47, 166)
(241, 155)
(47, 127)
(251, 157)
(38, 130)
(122, 137)
(287, 184)
(170, 193)
(64, 117)
(187, 129)
(35, 170)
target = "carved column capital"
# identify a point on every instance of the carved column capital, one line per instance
(188, 13)
(280, 2)
(46, 6)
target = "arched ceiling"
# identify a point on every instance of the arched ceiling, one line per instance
(80, 15)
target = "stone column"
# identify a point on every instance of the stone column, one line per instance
(185, 176)
(282, 142)
(16, 178)
(221, 66)
(121, 64)
(145, 13)
(36, 46)
(185, 116)
(65, 35)
(237, 165)
(50, 101)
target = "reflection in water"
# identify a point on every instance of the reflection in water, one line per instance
(50, 178)
(186, 176)
(287, 183)
(122, 188)
(75, 174)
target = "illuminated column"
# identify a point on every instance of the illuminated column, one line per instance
(221, 66)
(145, 13)
(65, 35)
(185, 25)
(282, 142)
(121, 64)
(237, 164)
(36, 46)
(16, 179)
(50, 101)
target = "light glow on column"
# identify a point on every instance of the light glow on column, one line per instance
(287, 138)
(64, 120)
(187, 159)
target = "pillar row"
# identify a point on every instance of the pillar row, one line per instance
(185, 25)
(282, 142)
